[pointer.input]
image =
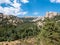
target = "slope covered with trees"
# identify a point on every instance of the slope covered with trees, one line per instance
(14, 28)
(50, 32)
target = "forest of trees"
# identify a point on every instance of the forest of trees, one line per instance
(14, 33)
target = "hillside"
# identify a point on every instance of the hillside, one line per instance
(15, 28)
(50, 31)
(30, 33)
(10, 19)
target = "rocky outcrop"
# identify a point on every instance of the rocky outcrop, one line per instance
(51, 14)
(39, 20)
(10, 19)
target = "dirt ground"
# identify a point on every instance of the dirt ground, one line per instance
(31, 41)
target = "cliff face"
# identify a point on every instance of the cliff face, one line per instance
(10, 19)
(51, 14)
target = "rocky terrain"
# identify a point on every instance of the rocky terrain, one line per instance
(10, 19)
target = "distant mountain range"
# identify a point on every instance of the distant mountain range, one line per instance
(14, 20)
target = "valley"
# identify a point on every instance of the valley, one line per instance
(29, 30)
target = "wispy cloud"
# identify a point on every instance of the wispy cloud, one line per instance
(24, 1)
(35, 13)
(55, 1)
(14, 10)
(5, 1)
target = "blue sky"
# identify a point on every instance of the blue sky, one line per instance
(29, 7)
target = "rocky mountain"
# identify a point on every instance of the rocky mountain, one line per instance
(10, 19)
(40, 20)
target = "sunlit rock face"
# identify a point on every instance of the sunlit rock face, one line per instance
(10, 19)
(51, 14)
(39, 20)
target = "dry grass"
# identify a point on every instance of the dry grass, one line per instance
(30, 41)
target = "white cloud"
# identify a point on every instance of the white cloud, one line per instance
(15, 4)
(14, 10)
(10, 11)
(24, 1)
(1, 9)
(55, 1)
(35, 13)
(22, 13)
(52, 0)
(5, 1)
